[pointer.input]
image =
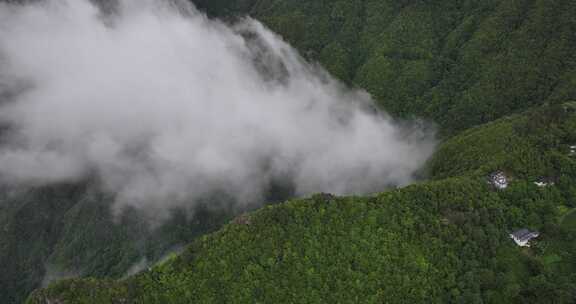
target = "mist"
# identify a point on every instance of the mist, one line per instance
(163, 106)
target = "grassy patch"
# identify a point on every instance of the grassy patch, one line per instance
(551, 259)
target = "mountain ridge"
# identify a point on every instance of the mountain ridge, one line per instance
(473, 67)
(439, 241)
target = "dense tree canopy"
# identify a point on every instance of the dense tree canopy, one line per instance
(442, 241)
(496, 75)
(459, 62)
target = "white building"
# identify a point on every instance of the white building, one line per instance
(522, 237)
(544, 182)
(499, 180)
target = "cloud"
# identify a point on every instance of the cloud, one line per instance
(164, 106)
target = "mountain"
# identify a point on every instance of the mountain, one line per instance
(442, 241)
(460, 63)
(61, 231)
(497, 76)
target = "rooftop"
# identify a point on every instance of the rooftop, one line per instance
(499, 180)
(522, 236)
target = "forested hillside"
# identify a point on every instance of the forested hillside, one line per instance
(497, 76)
(459, 62)
(62, 231)
(443, 241)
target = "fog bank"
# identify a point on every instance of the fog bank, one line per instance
(163, 106)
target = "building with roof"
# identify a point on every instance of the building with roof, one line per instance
(499, 180)
(522, 237)
(545, 182)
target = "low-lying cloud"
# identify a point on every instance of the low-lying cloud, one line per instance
(162, 105)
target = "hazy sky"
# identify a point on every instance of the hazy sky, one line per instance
(163, 105)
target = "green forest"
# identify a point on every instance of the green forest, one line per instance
(440, 241)
(497, 77)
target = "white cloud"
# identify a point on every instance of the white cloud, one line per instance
(164, 105)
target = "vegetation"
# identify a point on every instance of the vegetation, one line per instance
(496, 75)
(65, 230)
(531, 146)
(460, 63)
(442, 241)
(27, 232)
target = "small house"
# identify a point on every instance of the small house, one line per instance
(499, 180)
(573, 150)
(544, 182)
(522, 237)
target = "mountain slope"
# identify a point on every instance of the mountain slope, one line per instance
(51, 233)
(30, 225)
(460, 63)
(443, 241)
